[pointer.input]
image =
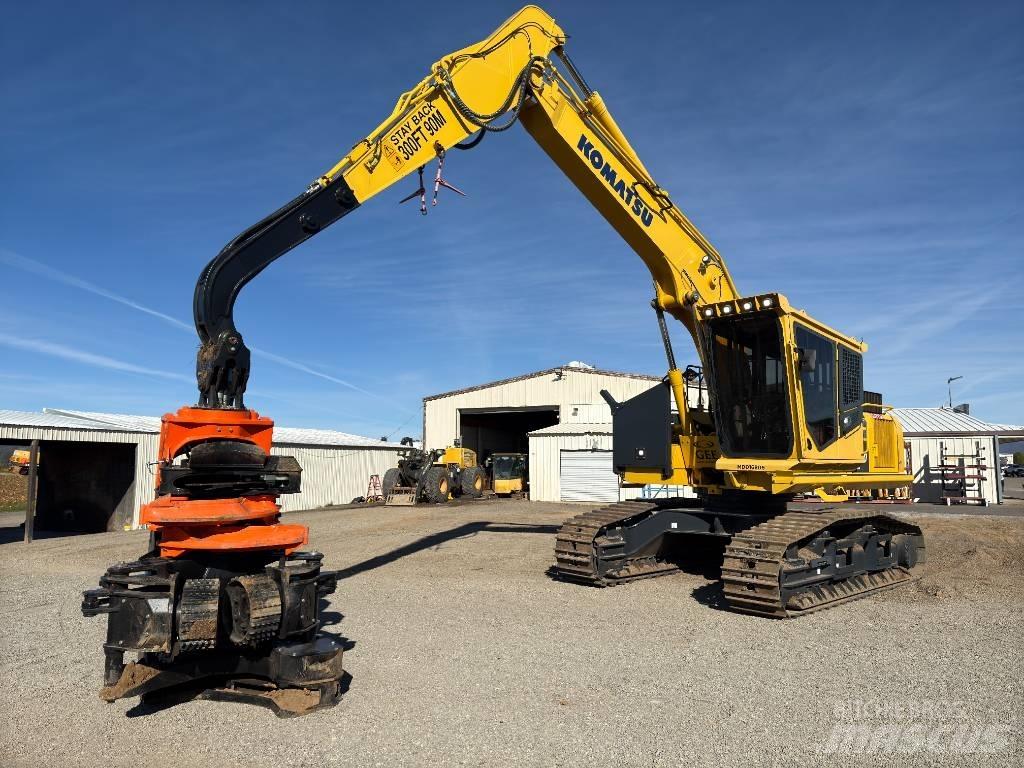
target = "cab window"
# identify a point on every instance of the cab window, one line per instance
(818, 383)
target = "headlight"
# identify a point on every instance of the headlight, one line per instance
(709, 312)
(747, 306)
(766, 302)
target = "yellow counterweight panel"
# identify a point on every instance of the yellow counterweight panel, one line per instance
(464, 458)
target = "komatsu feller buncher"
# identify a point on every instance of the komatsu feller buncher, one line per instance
(228, 599)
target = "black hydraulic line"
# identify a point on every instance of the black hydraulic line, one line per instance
(472, 142)
(561, 54)
(485, 122)
(663, 327)
(222, 364)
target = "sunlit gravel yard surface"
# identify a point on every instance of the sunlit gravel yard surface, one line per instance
(467, 653)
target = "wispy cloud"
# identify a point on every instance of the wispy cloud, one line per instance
(40, 269)
(55, 349)
(297, 366)
(34, 267)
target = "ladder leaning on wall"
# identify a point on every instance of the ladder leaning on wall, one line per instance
(963, 475)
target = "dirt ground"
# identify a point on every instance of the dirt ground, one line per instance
(466, 653)
(13, 491)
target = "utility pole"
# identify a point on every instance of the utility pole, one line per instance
(949, 383)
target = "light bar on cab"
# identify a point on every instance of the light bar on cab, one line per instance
(740, 306)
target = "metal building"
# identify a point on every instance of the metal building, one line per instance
(498, 416)
(573, 462)
(954, 455)
(96, 469)
(92, 476)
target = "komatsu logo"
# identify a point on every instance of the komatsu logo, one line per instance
(626, 192)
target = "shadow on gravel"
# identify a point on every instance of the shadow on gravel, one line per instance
(439, 538)
(158, 701)
(15, 533)
(711, 595)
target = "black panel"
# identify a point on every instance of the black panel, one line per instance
(642, 431)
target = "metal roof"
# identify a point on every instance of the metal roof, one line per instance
(570, 428)
(111, 420)
(52, 420)
(301, 436)
(943, 421)
(120, 422)
(575, 367)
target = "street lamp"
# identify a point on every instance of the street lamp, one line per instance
(949, 383)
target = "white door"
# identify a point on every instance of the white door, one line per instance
(588, 476)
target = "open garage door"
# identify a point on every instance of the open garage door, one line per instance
(588, 476)
(85, 487)
(502, 431)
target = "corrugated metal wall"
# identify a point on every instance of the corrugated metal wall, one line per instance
(330, 474)
(576, 388)
(334, 475)
(926, 456)
(145, 451)
(545, 463)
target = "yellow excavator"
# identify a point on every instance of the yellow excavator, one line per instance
(228, 593)
(788, 413)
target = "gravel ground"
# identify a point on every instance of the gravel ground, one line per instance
(467, 654)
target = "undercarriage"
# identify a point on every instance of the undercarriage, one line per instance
(774, 562)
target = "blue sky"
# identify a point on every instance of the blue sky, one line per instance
(864, 159)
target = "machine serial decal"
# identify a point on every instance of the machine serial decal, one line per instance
(611, 176)
(408, 138)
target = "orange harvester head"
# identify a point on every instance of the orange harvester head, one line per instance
(236, 524)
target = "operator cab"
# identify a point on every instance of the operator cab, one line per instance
(508, 473)
(783, 384)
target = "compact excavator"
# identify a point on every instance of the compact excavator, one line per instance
(228, 599)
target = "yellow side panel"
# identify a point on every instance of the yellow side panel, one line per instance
(885, 444)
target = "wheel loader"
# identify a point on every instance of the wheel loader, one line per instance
(433, 476)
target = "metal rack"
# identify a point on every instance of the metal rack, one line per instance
(963, 475)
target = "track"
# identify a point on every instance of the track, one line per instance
(587, 551)
(756, 565)
(784, 566)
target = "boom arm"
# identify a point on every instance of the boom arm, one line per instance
(516, 73)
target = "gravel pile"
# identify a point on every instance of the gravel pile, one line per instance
(466, 653)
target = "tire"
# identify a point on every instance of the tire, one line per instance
(472, 482)
(436, 485)
(391, 478)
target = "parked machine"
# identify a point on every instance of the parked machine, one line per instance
(508, 473)
(433, 476)
(19, 462)
(228, 597)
